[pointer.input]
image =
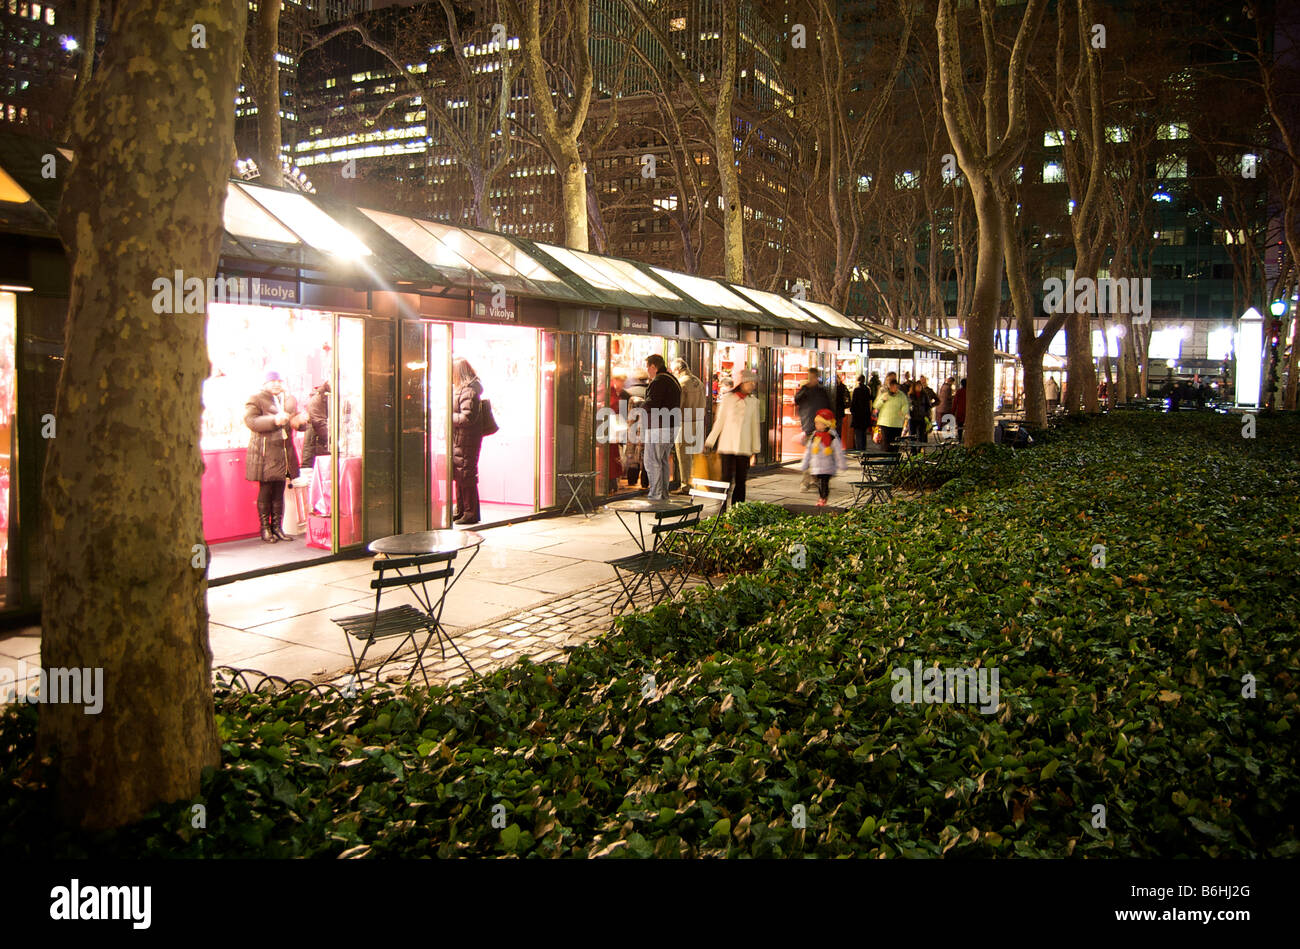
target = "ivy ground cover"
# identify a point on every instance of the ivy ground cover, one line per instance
(1132, 582)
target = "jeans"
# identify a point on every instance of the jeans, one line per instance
(658, 466)
(861, 438)
(735, 469)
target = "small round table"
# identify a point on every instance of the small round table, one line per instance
(426, 542)
(643, 506)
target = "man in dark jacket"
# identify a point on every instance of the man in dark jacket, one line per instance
(663, 406)
(860, 408)
(810, 399)
(841, 402)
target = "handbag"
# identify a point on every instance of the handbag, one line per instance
(487, 424)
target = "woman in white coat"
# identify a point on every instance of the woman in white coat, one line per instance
(736, 433)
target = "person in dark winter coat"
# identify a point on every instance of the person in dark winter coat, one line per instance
(860, 410)
(466, 440)
(317, 442)
(959, 409)
(272, 416)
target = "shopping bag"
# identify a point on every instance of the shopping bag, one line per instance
(877, 435)
(700, 466)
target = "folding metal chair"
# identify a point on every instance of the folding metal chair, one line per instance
(406, 621)
(696, 539)
(652, 563)
(873, 487)
(577, 482)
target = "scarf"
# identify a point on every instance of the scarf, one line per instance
(278, 403)
(825, 438)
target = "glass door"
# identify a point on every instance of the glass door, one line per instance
(505, 360)
(348, 431)
(423, 410)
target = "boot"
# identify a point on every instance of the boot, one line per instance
(277, 521)
(264, 523)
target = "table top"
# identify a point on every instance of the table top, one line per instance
(649, 506)
(426, 542)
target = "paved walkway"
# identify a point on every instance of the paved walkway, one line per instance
(534, 588)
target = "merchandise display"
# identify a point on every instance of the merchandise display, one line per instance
(728, 360)
(244, 343)
(795, 364)
(8, 406)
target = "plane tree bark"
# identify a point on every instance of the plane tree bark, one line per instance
(126, 588)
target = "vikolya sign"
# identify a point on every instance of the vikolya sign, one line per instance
(496, 305)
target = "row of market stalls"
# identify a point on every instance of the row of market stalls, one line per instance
(372, 308)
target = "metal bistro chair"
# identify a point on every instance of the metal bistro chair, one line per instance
(652, 563)
(406, 621)
(868, 489)
(697, 538)
(577, 483)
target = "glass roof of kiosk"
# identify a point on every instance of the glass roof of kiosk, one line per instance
(312, 225)
(828, 314)
(457, 254)
(11, 191)
(244, 217)
(619, 282)
(783, 310)
(716, 297)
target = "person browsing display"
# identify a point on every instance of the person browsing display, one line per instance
(272, 416)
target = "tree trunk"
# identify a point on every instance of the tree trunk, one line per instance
(573, 198)
(121, 490)
(89, 26)
(484, 216)
(724, 142)
(269, 143)
(982, 321)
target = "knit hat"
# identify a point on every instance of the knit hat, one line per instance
(748, 375)
(273, 376)
(827, 416)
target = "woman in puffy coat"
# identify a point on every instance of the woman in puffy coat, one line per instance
(466, 440)
(272, 416)
(736, 433)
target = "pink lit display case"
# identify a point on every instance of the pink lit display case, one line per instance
(243, 343)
